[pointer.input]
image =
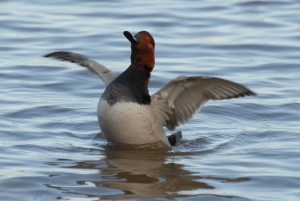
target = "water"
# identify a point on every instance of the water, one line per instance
(243, 149)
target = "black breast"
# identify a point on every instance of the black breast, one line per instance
(130, 86)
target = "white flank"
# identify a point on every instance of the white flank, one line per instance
(130, 123)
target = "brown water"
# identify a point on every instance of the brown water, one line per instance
(243, 149)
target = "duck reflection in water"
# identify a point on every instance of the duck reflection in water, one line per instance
(146, 175)
(130, 174)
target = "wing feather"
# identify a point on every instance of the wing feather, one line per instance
(183, 96)
(104, 73)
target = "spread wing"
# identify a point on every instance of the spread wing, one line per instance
(183, 96)
(105, 74)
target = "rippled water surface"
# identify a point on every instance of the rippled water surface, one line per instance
(242, 149)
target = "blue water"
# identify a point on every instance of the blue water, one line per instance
(242, 149)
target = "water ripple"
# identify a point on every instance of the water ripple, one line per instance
(50, 142)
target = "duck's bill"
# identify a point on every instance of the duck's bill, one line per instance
(128, 35)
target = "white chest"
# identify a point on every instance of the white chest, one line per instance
(130, 123)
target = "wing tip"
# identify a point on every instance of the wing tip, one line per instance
(244, 94)
(57, 55)
(250, 93)
(49, 54)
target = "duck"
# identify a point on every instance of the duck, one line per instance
(129, 116)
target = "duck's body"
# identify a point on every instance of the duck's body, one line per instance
(128, 115)
(130, 124)
(124, 111)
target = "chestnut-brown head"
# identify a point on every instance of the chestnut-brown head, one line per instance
(142, 49)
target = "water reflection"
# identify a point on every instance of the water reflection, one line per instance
(147, 175)
(128, 174)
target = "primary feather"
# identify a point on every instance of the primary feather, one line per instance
(104, 73)
(183, 96)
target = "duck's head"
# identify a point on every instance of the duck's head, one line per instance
(142, 49)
